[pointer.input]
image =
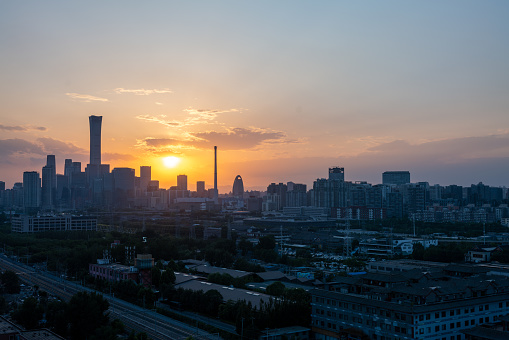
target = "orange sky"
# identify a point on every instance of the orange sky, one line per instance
(285, 90)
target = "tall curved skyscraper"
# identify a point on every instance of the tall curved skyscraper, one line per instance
(238, 187)
(95, 139)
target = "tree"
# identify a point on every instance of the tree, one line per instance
(86, 313)
(10, 281)
(267, 242)
(29, 313)
(276, 289)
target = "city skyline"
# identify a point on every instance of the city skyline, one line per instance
(285, 90)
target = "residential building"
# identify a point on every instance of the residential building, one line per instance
(408, 305)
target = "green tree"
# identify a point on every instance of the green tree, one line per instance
(10, 281)
(276, 289)
(87, 312)
(267, 242)
(29, 313)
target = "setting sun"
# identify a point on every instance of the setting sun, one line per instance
(171, 161)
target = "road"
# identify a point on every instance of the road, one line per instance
(136, 318)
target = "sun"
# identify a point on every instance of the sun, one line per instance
(171, 161)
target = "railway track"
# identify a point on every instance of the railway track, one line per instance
(136, 318)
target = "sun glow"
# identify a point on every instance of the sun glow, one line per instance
(171, 161)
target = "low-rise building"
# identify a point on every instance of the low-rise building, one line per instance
(34, 224)
(404, 305)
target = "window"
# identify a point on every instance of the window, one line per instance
(437, 328)
(437, 315)
(428, 316)
(487, 307)
(451, 325)
(444, 327)
(443, 314)
(451, 313)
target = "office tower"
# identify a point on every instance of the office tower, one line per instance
(238, 187)
(46, 191)
(2, 194)
(181, 182)
(123, 181)
(200, 189)
(337, 173)
(396, 177)
(215, 193)
(31, 191)
(145, 177)
(49, 183)
(95, 139)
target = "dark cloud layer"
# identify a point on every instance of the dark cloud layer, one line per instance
(233, 139)
(21, 128)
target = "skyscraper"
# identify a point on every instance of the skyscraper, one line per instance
(238, 187)
(337, 173)
(145, 177)
(49, 183)
(181, 182)
(215, 192)
(200, 188)
(31, 191)
(95, 139)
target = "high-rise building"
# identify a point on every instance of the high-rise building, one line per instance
(238, 187)
(95, 139)
(337, 173)
(215, 193)
(49, 183)
(123, 179)
(182, 182)
(31, 191)
(200, 189)
(296, 195)
(145, 177)
(396, 177)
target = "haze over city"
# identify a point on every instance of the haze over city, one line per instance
(284, 89)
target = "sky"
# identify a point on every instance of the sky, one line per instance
(285, 89)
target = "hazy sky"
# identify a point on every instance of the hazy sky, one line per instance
(285, 89)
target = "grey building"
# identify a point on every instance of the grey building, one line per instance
(396, 177)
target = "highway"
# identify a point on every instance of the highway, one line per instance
(134, 317)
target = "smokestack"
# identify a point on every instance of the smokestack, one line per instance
(215, 175)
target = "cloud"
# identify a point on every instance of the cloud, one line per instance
(232, 139)
(195, 117)
(21, 128)
(240, 138)
(448, 150)
(156, 119)
(142, 92)
(54, 146)
(17, 147)
(85, 97)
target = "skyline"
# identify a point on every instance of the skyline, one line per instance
(285, 90)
